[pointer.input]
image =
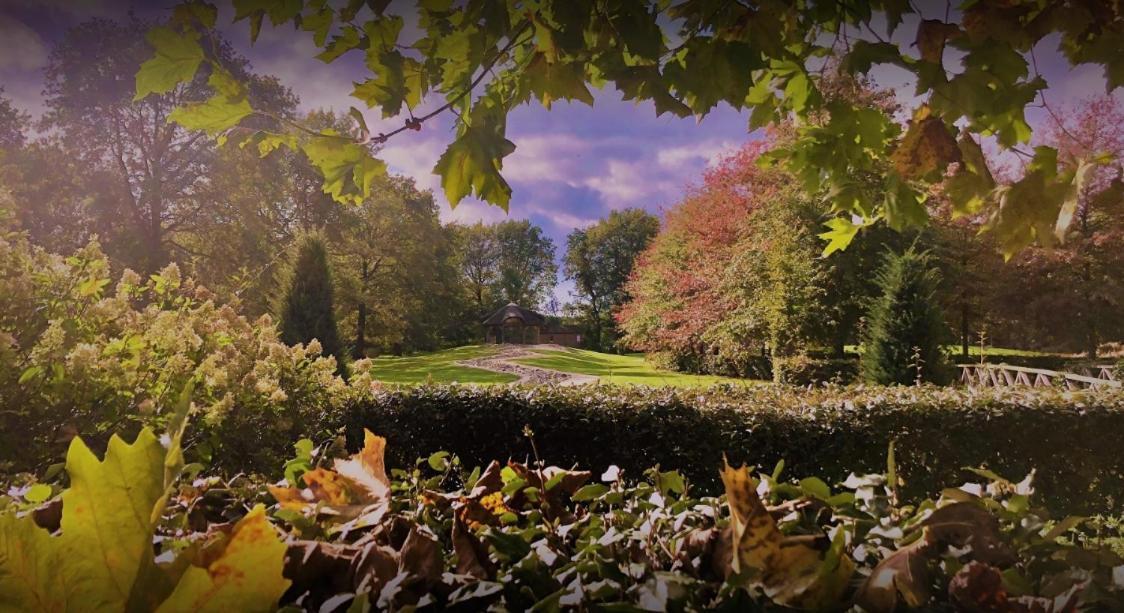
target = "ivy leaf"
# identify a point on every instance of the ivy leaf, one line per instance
(177, 59)
(348, 168)
(246, 577)
(218, 113)
(840, 233)
(472, 163)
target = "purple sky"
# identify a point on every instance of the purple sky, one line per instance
(572, 164)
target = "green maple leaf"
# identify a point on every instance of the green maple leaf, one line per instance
(30, 560)
(218, 113)
(553, 81)
(103, 557)
(865, 54)
(177, 59)
(390, 87)
(347, 40)
(348, 168)
(839, 235)
(106, 520)
(473, 161)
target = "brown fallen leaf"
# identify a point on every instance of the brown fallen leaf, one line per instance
(791, 574)
(901, 578)
(472, 555)
(347, 492)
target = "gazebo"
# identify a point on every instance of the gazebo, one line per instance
(513, 324)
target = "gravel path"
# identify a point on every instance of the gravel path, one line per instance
(501, 362)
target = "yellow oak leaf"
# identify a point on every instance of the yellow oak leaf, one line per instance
(247, 576)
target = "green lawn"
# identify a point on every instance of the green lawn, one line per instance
(438, 367)
(621, 369)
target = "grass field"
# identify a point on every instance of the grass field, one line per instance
(439, 367)
(620, 369)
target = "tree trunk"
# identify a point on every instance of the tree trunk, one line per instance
(360, 349)
(965, 332)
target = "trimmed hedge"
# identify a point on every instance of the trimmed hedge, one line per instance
(1074, 441)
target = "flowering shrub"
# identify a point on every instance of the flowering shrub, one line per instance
(82, 354)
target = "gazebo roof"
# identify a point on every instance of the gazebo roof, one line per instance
(527, 316)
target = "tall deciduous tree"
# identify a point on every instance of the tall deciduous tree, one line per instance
(160, 167)
(525, 270)
(599, 260)
(397, 273)
(478, 256)
(13, 124)
(307, 309)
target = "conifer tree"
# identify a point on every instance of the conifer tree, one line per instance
(905, 331)
(306, 308)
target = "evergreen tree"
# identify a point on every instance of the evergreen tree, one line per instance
(306, 309)
(905, 329)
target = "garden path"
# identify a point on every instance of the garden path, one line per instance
(502, 362)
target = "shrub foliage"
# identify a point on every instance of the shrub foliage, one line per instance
(1070, 439)
(528, 536)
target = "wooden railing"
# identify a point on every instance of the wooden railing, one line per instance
(1005, 375)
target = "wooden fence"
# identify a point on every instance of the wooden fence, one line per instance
(1005, 375)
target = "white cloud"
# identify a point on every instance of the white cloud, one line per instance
(546, 157)
(21, 49)
(559, 217)
(629, 184)
(471, 210)
(415, 159)
(708, 151)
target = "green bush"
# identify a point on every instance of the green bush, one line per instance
(905, 333)
(83, 354)
(1072, 440)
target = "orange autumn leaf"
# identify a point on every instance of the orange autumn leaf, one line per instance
(357, 481)
(367, 469)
